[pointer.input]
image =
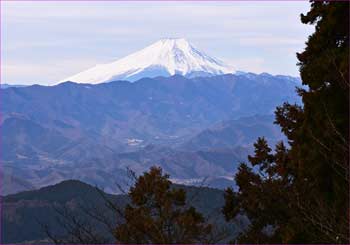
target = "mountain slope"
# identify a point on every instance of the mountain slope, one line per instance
(232, 133)
(153, 110)
(25, 213)
(82, 131)
(166, 57)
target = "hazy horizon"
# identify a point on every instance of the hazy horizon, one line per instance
(45, 42)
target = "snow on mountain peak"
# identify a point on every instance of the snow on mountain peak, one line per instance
(165, 57)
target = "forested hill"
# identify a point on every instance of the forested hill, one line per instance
(25, 214)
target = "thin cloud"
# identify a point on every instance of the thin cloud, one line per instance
(57, 32)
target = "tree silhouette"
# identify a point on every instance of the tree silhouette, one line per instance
(158, 214)
(300, 193)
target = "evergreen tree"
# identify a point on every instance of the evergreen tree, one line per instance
(158, 214)
(300, 193)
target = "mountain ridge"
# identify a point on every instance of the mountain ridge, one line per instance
(165, 57)
(93, 125)
(25, 213)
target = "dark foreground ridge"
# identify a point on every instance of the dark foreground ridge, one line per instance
(26, 213)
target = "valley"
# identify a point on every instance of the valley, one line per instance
(194, 128)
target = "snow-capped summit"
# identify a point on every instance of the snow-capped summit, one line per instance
(165, 57)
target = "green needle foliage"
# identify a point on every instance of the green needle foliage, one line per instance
(300, 193)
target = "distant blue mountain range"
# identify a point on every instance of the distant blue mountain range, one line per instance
(192, 127)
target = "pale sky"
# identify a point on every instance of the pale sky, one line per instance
(44, 42)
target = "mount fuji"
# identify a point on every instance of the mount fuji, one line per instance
(165, 57)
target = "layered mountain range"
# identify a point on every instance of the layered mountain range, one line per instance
(195, 128)
(168, 104)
